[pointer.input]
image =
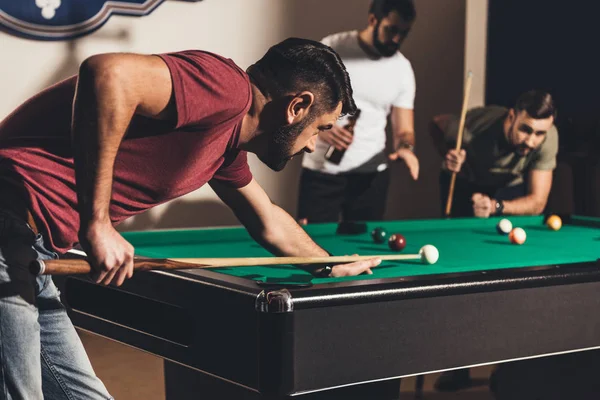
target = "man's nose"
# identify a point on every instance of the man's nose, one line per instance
(311, 144)
(530, 142)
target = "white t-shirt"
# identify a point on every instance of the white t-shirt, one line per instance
(378, 85)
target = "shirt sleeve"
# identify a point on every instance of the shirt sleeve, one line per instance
(235, 171)
(326, 41)
(208, 89)
(545, 159)
(406, 97)
(451, 131)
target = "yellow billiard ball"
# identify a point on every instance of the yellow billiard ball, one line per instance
(554, 222)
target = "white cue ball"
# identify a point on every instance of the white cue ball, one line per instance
(429, 254)
(504, 226)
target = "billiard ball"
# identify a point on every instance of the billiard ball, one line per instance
(378, 235)
(504, 226)
(429, 254)
(517, 236)
(554, 222)
(397, 242)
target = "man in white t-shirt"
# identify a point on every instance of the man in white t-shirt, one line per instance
(383, 81)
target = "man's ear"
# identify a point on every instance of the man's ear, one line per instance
(511, 115)
(372, 21)
(299, 107)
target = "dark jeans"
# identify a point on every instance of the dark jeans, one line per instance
(343, 197)
(462, 205)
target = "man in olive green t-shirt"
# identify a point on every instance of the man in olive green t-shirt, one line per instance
(506, 159)
(504, 166)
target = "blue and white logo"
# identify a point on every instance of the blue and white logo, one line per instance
(65, 19)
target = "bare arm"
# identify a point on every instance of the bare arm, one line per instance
(111, 88)
(275, 229)
(540, 183)
(403, 130)
(403, 126)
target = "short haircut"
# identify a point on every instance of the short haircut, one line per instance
(405, 8)
(295, 65)
(537, 103)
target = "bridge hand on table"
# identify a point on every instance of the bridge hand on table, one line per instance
(355, 268)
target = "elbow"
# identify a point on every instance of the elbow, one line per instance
(539, 207)
(270, 236)
(100, 71)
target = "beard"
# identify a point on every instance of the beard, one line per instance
(385, 49)
(281, 143)
(521, 149)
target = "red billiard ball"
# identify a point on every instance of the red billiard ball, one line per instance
(397, 242)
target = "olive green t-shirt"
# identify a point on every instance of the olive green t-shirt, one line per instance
(491, 160)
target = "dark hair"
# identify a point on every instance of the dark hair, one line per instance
(382, 8)
(298, 64)
(537, 103)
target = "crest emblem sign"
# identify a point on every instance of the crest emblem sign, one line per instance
(65, 19)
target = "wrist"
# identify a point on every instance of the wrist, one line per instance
(497, 207)
(405, 146)
(90, 228)
(325, 270)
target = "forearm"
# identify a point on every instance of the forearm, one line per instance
(526, 205)
(284, 237)
(101, 114)
(403, 127)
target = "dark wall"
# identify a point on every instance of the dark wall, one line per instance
(544, 44)
(553, 46)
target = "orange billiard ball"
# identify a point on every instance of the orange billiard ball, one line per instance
(517, 236)
(554, 222)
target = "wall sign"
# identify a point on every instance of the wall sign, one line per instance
(65, 19)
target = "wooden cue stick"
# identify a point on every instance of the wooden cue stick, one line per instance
(461, 126)
(82, 266)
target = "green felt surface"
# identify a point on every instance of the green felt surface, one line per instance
(469, 244)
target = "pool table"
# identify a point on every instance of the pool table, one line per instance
(276, 332)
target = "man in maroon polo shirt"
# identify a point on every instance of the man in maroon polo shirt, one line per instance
(130, 132)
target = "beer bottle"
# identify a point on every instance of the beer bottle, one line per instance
(334, 155)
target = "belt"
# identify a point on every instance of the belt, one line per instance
(17, 207)
(31, 223)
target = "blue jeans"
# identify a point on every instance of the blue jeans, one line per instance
(41, 355)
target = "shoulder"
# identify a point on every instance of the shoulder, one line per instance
(340, 39)
(550, 144)
(204, 70)
(487, 114)
(403, 67)
(202, 61)
(480, 119)
(207, 85)
(402, 61)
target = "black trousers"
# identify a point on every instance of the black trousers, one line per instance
(462, 205)
(343, 197)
